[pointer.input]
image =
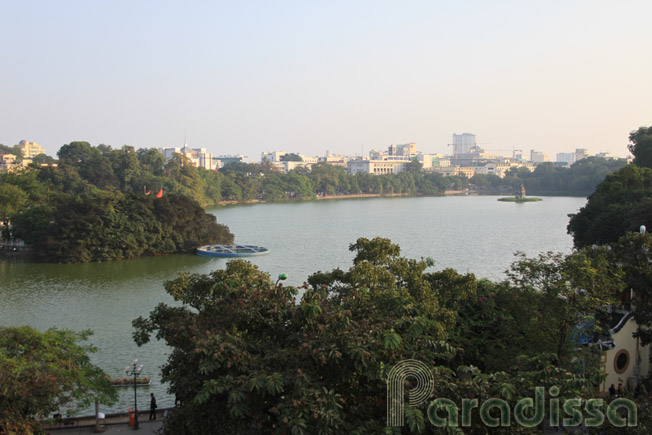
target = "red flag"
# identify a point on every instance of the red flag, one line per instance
(160, 194)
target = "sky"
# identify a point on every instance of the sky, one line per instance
(310, 76)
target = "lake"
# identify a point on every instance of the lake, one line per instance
(475, 234)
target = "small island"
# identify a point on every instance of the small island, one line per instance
(520, 197)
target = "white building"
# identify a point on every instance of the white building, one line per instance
(430, 161)
(198, 156)
(375, 167)
(272, 156)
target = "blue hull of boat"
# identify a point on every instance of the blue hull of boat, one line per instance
(232, 251)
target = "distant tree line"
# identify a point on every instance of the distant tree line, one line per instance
(580, 179)
(110, 191)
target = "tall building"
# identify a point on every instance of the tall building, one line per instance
(406, 150)
(30, 149)
(566, 157)
(462, 143)
(538, 157)
(581, 153)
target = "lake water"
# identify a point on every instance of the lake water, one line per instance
(474, 234)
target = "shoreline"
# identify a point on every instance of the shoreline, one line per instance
(348, 196)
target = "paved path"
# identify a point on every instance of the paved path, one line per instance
(116, 424)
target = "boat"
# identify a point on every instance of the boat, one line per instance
(232, 250)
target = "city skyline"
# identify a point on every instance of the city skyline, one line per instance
(254, 76)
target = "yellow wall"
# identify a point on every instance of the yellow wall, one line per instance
(625, 342)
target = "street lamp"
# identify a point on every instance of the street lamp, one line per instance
(134, 370)
(281, 277)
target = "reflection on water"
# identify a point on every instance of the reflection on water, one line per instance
(476, 234)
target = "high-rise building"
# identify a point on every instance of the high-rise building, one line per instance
(406, 150)
(566, 157)
(462, 143)
(538, 157)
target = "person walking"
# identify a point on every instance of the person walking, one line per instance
(152, 407)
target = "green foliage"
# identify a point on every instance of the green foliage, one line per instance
(93, 206)
(246, 358)
(12, 200)
(641, 146)
(634, 253)
(40, 372)
(621, 203)
(291, 157)
(571, 288)
(547, 179)
(111, 226)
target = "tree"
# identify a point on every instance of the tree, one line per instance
(633, 252)
(573, 289)
(246, 358)
(414, 166)
(641, 146)
(40, 372)
(125, 165)
(621, 203)
(291, 157)
(12, 200)
(40, 159)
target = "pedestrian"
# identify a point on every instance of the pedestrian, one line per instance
(619, 391)
(152, 407)
(612, 392)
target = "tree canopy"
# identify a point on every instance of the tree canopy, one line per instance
(41, 372)
(641, 146)
(621, 203)
(248, 358)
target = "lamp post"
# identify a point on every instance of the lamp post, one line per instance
(134, 370)
(281, 277)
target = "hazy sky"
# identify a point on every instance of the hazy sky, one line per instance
(306, 76)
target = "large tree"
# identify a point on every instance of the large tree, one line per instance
(41, 372)
(246, 358)
(621, 203)
(641, 146)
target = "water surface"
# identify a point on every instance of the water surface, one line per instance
(474, 234)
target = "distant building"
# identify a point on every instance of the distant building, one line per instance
(375, 167)
(430, 161)
(464, 171)
(538, 157)
(462, 143)
(333, 159)
(272, 156)
(198, 156)
(607, 156)
(30, 149)
(566, 157)
(581, 153)
(406, 150)
(220, 161)
(8, 163)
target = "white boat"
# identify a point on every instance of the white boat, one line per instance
(232, 250)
